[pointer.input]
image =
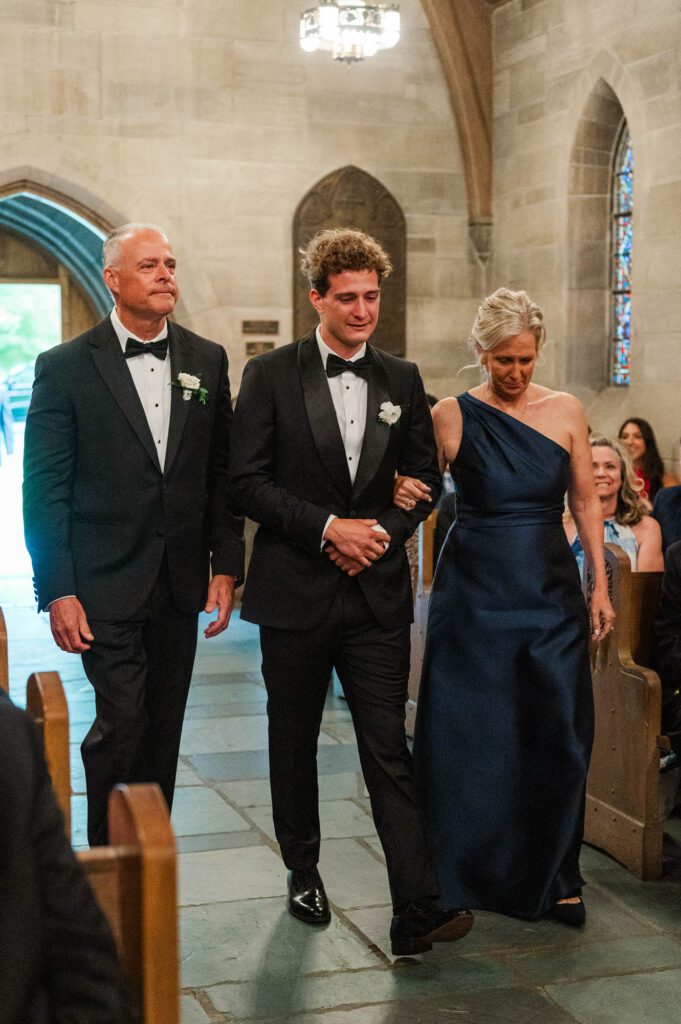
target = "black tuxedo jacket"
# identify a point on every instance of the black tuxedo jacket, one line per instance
(98, 510)
(667, 511)
(57, 956)
(289, 473)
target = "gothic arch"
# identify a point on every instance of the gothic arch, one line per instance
(64, 227)
(588, 243)
(351, 198)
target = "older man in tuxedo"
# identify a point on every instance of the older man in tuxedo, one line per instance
(126, 512)
(321, 428)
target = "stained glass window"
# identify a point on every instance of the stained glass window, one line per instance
(620, 284)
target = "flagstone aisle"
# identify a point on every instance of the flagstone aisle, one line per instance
(245, 959)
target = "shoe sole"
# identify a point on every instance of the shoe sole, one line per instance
(314, 921)
(454, 930)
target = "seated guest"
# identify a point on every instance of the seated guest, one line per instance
(638, 436)
(57, 956)
(667, 511)
(668, 648)
(626, 521)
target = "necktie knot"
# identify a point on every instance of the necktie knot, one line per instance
(159, 348)
(335, 366)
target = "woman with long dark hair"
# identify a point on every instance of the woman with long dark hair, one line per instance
(639, 437)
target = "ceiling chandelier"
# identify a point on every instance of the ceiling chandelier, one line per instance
(350, 29)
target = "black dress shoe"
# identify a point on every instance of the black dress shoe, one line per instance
(416, 927)
(306, 897)
(573, 914)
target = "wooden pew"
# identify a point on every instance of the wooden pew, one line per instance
(422, 587)
(4, 656)
(46, 703)
(135, 882)
(623, 803)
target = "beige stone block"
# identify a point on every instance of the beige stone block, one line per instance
(589, 265)
(527, 82)
(285, 106)
(662, 363)
(658, 75)
(560, 89)
(532, 112)
(454, 279)
(661, 111)
(544, 267)
(589, 179)
(210, 61)
(657, 265)
(501, 92)
(426, 192)
(420, 244)
(663, 153)
(535, 224)
(150, 19)
(588, 218)
(262, 19)
(421, 269)
(452, 234)
(662, 210)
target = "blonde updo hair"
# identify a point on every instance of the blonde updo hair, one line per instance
(631, 507)
(501, 316)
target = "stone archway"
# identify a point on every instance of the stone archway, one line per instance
(589, 201)
(351, 198)
(69, 237)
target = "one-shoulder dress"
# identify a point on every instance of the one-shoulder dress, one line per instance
(505, 713)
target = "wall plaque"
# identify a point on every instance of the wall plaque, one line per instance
(351, 198)
(260, 327)
(256, 348)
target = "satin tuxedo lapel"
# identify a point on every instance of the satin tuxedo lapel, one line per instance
(376, 434)
(321, 414)
(181, 361)
(110, 362)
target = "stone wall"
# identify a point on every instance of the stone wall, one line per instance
(565, 71)
(207, 117)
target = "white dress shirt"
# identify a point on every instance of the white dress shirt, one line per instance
(349, 397)
(151, 378)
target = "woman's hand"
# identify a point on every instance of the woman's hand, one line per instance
(602, 615)
(407, 491)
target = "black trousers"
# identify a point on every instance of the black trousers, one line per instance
(140, 670)
(373, 667)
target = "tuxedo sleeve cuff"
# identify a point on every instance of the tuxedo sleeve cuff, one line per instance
(326, 526)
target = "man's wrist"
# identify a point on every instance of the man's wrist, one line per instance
(66, 597)
(327, 524)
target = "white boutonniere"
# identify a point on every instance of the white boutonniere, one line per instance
(190, 385)
(389, 413)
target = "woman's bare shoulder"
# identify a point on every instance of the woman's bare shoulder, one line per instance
(447, 409)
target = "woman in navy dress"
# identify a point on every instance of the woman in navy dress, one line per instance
(505, 714)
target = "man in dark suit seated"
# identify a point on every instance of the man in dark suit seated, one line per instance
(321, 427)
(126, 512)
(667, 511)
(57, 956)
(668, 647)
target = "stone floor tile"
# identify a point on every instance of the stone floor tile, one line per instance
(234, 709)
(227, 693)
(218, 876)
(256, 792)
(254, 764)
(224, 678)
(634, 999)
(186, 776)
(658, 903)
(595, 959)
(375, 843)
(352, 876)
(341, 731)
(338, 819)
(218, 735)
(79, 822)
(488, 1006)
(198, 812)
(268, 999)
(258, 939)
(191, 1012)
(218, 841)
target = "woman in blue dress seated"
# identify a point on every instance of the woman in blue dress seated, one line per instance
(627, 522)
(505, 713)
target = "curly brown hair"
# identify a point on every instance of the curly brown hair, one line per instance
(338, 249)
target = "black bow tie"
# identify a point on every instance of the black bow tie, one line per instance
(335, 366)
(159, 348)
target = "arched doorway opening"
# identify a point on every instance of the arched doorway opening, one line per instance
(51, 289)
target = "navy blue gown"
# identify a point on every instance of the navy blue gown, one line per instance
(505, 713)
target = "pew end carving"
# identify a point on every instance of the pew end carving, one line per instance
(135, 882)
(46, 703)
(623, 801)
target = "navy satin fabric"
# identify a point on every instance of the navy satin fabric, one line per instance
(505, 714)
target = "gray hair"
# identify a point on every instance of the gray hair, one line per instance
(111, 249)
(503, 315)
